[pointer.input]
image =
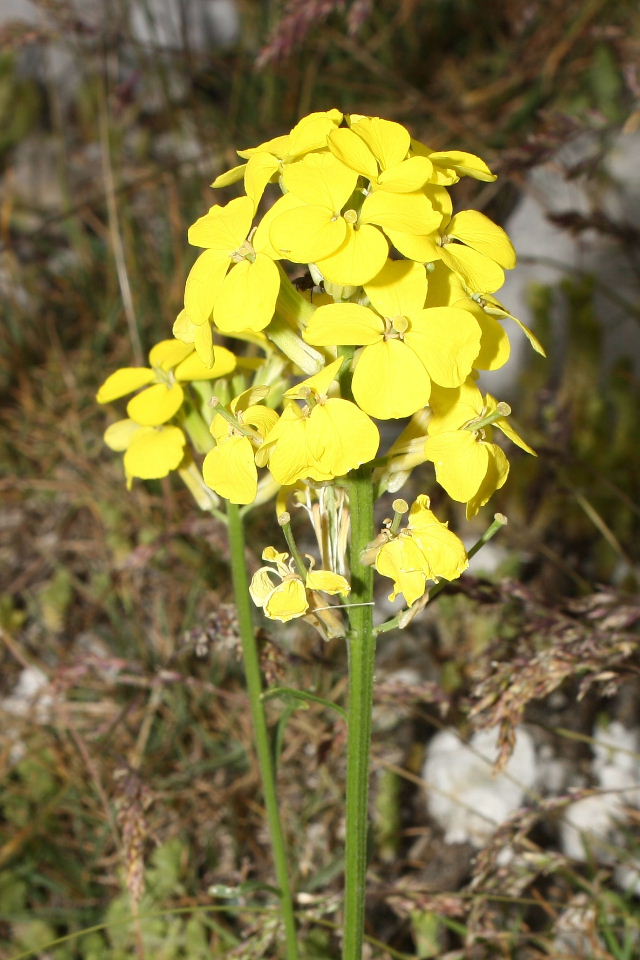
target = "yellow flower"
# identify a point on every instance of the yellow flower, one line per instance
(171, 362)
(325, 438)
(289, 598)
(470, 244)
(425, 549)
(267, 161)
(377, 149)
(467, 464)
(405, 345)
(230, 469)
(149, 452)
(235, 279)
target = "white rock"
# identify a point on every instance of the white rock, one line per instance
(464, 796)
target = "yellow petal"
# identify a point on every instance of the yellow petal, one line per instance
(491, 306)
(124, 381)
(460, 461)
(277, 146)
(341, 436)
(360, 257)
(230, 470)
(479, 273)
(447, 341)
(495, 348)
(310, 133)
(229, 176)
(287, 601)
(203, 343)
(343, 324)
(119, 435)
(156, 404)
(444, 552)
(327, 581)
(193, 368)
(168, 354)
(495, 477)
(263, 419)
(260, 170)
(248, 295)
(405, 212)
(154, 453)
(463, 164)
(485, 236)
(421, 249)
(390, 381)
(319, 383)
(401, 560)
(320, 179)
(353, 152)
(452, 408)
(398, 290)
(223, 228)
(261, 586)
(408, 176)
(388, 141)
(203, 285)
(307, 233)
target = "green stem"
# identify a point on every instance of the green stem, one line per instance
(361, 672)
(261, 732)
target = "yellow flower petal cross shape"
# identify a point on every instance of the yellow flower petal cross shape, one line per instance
(405, 346)
(325, 438)
(289, 598)
(235, 279)
(425, 549)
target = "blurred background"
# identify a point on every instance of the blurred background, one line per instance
(130, 819)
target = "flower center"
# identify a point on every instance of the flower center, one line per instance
(395, 328)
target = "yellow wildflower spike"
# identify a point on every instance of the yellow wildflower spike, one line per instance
(229, 469)
(124, 381)
(154, 453)
(156, 404)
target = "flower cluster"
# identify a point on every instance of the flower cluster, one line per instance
(395, 318)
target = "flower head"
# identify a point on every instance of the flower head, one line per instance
(290, 597)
